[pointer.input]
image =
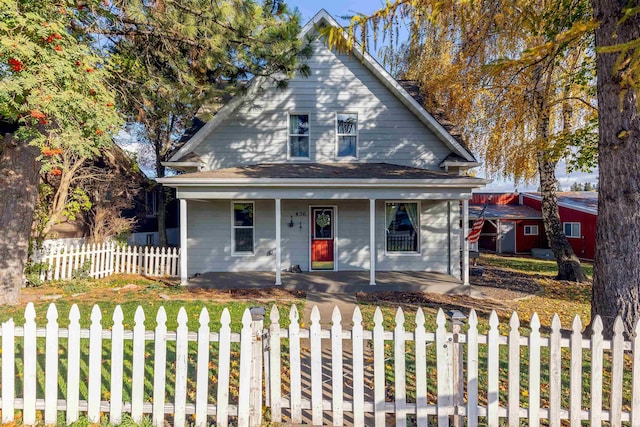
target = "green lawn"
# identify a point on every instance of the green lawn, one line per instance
(530, 265)
(562, 297)
(149, 294)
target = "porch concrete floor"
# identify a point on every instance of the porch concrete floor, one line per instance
(335, 281)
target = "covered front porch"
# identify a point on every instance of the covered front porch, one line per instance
(376, 220)
(335, 281)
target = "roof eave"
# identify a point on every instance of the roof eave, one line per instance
(322, 182)
(457, 164)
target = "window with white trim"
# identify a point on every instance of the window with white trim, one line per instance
(299, 136)
(530, 230)
(347, 133)
(402, 221)
(243, 228)
(572, 229)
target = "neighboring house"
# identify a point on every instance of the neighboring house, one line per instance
(513, 222)
(126, 188)
(341, 171)
(579, 214)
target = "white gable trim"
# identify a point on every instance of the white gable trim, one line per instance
(371, 64)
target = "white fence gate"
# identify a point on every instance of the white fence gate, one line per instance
(104, 259)
(316, 376)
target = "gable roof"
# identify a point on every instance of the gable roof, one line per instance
(582, 201)
(348, 174)
(412, 104)
(505, 212)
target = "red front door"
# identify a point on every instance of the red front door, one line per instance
(322, 236)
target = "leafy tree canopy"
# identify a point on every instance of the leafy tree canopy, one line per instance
(53, 81)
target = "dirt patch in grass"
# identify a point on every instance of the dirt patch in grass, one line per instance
(124, 288)
(411, 300)
(505, 288)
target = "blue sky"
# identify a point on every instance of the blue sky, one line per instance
(348, 7)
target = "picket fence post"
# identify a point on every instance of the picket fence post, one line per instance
(73, 365)
(275, 382)
(617, 367)
(575, 405)
(399, 370)
(294, 366)
(534, 371)
(244, 388)
(337, 374)
(379, 389)
(137, 366)
(95, 366)
(316, 367)
(159, 368)
(514, 371)
(421, 370)
(182, 354)
(202, 369)
(51, 367)
(8, 371)
(472, 370)
(224, 360)
(493, 369)
(357, 362)
(444, 368)
(117, 359)
(30, 364)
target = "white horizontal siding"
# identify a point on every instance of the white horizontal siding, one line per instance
(209, 237)
(258, 131)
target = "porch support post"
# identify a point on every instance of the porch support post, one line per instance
(278, 241)
(372, 241)
(465, 242)
(183, 242)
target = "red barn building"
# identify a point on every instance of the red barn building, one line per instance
(513, 222)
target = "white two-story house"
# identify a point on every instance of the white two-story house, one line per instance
(343, 170)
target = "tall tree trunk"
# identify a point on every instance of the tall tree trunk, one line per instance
(569, 267)
(19, 176)
(161, 198)
(616, 282)
(568, 263)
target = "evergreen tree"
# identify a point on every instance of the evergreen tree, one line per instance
(173, 57)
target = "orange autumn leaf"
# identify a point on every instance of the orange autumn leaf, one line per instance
(37, 114)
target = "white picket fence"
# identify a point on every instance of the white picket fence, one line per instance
(316, 375)
(105, 259)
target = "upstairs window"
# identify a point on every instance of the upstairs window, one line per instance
(347, 132)
(299, 136)
(403, 227)
(243, 228)
(572, 229)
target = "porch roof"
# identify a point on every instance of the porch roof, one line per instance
(347, 174)
(507, 212)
